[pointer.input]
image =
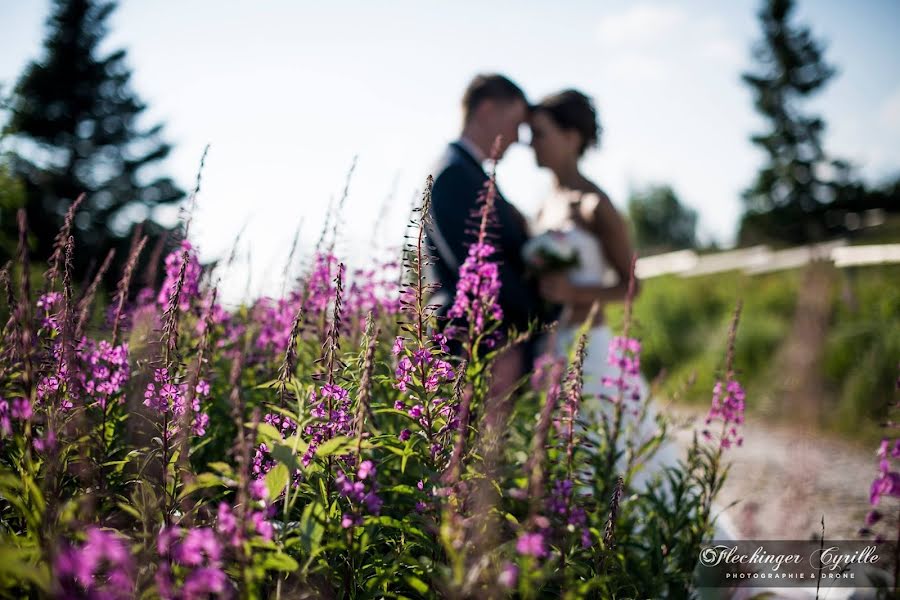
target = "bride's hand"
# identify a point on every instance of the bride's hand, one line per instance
(555, 287)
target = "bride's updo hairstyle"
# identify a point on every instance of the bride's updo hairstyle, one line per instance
(570, 109)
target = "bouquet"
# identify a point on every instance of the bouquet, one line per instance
(549, 252)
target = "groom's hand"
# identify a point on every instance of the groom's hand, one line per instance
(555, 287)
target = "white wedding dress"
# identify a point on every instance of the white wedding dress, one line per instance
(593, 269)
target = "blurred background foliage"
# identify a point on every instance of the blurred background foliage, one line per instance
(853, 362)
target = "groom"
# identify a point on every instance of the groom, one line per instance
(492, 106)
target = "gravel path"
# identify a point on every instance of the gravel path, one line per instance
(786, 480)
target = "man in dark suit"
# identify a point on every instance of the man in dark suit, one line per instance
(492, 106)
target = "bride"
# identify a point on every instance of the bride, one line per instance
(564, 126)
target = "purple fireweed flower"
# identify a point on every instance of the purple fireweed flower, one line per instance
(361, 494)
(509, 575)
(202, 582)
(887, 483)
(227, 524)
(727, 406)
(190, 287)
(478, 289)
(166, 539)
(18, 410)
(198, 547)
(199, 553)
(45, 443)
(366, 468)
(426, 366)
(625, 354)
(169, 398)
(441, 340)
(403, 373)
(102, 371)
(563, 506)
(374, 290)
(102, 567)
(332, 412)
(320, 287)
(405, 434)
(276, 320)
(531, 544)
(258, 490)
(50, 313)
(261, 525)
(262, 461)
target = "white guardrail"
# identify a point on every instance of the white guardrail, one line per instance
(762, 259)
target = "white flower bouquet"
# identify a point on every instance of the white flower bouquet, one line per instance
(549, 252)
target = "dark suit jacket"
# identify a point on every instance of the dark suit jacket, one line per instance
(458, 182)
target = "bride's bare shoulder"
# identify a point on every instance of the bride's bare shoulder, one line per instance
(594, 201)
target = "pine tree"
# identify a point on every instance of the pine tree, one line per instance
(790, 189)
(74, 122)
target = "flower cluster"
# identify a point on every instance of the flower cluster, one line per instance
(729, 407)
(190, 287)
(17, 410)
(49, 315)
(360, 498)
(434, 370)
(562, 505)
(478, 289)
(888, 481)
(257, 523)
(170, 398)
(262, 460)
(624, 354)
(532, 544)
(426, 366)
(320, 287)
(194, 554)
(101, 567)
(375, 290)
(331, 409)
(276, 318)
(104, 370)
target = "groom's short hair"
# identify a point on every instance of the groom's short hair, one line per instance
(489, 86)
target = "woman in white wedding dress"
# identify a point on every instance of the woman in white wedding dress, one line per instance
(563, 127)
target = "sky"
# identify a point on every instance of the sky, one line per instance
(289, 93)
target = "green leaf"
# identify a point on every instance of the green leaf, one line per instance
(277, 480)
(223, 469)
(311, 527)
(337, 445)
(130, 510)
(201, 481)
(268, 432)
(417, 584)
(285, 456)
(279, 561)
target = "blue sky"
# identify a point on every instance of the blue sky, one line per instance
(287, 93)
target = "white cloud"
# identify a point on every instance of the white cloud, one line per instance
(641, 24)
(648, 42)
